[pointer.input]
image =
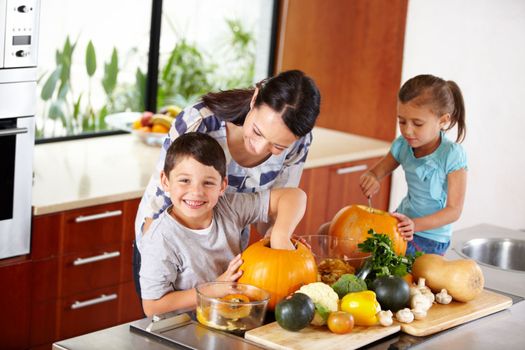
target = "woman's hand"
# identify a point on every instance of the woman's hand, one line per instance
(405, 226)
(232, 273)
(369, 184)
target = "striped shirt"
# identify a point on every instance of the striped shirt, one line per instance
(278, 171)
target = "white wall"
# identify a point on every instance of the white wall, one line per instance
(480, 45)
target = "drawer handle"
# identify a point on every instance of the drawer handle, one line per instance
(107, 214)
(101, 299)
(103, 256)
(352, 169)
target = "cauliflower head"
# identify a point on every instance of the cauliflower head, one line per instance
(325, 299)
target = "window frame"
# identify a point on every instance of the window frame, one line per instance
(152, 74)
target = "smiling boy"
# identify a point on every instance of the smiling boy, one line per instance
(198, 238)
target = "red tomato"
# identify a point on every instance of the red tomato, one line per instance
(340, 322)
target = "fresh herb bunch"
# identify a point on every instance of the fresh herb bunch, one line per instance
(384, 261)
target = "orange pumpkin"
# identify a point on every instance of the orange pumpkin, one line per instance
(354, 221)
(279, 272)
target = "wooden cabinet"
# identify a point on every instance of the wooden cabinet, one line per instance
(333, 187)
(353, 49)
(15, 274)
(82, 276)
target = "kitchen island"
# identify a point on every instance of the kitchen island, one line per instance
(85, 197)
(503, 329)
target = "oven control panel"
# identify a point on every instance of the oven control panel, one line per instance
(20, 33)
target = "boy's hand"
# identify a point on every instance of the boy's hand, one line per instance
(279, 242)
(233, 273)
(405, 226)
(369, 184)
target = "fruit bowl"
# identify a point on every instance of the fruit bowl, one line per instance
(231, 306)
(150, 138)
(335, 256)
(127, 121)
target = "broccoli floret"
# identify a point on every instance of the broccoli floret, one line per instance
(348, 283)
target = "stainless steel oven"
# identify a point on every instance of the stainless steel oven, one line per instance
(18, 57)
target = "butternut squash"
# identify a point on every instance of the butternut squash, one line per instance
(462, 278)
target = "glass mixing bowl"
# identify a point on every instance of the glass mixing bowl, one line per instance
(231, 306)
(335, 256)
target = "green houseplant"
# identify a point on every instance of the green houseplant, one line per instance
(186, 73)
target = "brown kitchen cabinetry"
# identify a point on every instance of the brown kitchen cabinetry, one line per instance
(15, 276)
(331, 188)
(82, 279)
(354, 51)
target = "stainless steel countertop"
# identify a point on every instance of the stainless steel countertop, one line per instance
(503, 330)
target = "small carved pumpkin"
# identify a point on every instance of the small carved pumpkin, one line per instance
(279, 272)
(354, 221)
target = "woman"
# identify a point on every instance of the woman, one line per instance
(265, 133)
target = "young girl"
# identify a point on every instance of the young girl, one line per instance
(435, 167)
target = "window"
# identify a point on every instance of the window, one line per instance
(92, 62)
(93, 57)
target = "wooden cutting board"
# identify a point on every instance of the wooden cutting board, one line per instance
(274, 337)
(441, 317)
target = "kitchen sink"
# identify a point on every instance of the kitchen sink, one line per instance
(503, 253)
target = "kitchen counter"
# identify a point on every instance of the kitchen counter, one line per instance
(81, 173)
(502, 330)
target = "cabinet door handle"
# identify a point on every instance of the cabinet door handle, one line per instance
(15, 131)
(101, 299)
(352, 169)
(91, 259)
(107, 214)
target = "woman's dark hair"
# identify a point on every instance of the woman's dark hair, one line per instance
(201, 147)
(291, 93)
(441, 96)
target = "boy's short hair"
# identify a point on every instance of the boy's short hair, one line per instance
(201, 147)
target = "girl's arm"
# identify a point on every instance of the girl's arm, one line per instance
(187, 299)
(370, 181)
(287, 207)
(457, 186)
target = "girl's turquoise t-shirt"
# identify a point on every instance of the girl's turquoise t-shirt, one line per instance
(427, 182)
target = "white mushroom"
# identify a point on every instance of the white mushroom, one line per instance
(405, 315)
(385, 318)
(443, 297)
(420, 301)
(419, 314)
(425, 290)
(414, 290)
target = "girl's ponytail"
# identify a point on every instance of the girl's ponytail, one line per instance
(458, 114)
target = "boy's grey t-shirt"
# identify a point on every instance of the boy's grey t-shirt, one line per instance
(174, 257)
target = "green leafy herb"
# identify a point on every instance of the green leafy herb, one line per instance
(384, 261)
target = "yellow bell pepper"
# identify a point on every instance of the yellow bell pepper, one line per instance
(363, 306)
